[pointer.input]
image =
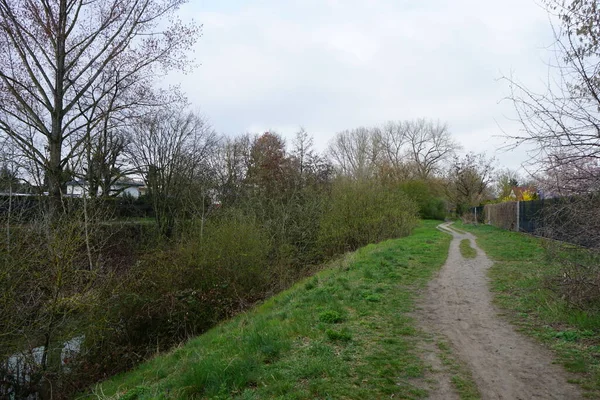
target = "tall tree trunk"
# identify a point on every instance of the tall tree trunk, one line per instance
(54, 175)
(55, 141)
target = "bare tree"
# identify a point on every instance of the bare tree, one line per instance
(10, 183)
(429, 146)
(10, 168)
(230, 162)
(415, 148)
(53, 55)
(105, 164)
(394, 139)
(564, 122)
(172, 149)
(302, 150)
(356, 152)
(311, 167)
(564, 176)
(104, 138)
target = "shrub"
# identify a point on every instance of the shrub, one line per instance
(362, 212)
(331, 317)
(179, 291)
(428, 197)
(342, 336)
(233, 251)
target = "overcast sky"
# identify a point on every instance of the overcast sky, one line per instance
(330, 65)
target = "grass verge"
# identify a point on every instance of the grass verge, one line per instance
(466, 250)
(343, 333)
(521, 279)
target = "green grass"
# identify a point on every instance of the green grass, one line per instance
(521, 278)
(462, 378)
(343, 333)
(466, 250)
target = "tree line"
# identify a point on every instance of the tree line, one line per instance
(185, 164)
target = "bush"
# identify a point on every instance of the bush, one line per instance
(292, 223)
(180, 291)
(362, 212)
(427, 196)
(129, 207)
(234, 252)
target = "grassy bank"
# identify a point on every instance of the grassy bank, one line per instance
(524, 280)
(344, 333)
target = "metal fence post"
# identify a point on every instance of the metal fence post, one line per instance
(518, 216)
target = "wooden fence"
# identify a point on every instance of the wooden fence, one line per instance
(503, 215)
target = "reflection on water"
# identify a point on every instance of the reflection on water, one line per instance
(17, 370)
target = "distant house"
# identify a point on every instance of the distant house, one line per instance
(523, 193)
(76, 188)
(135, 189)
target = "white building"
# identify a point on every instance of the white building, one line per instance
(134, 189)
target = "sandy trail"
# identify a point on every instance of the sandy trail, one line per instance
(504, 363)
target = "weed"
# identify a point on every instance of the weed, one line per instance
(331, 317)
(311, 284)
(373, 298)
(342, 336)
(466, 250)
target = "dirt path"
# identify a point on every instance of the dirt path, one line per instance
(504, 363)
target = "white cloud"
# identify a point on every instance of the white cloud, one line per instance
(331, 65)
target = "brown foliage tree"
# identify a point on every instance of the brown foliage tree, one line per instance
(269, 168)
